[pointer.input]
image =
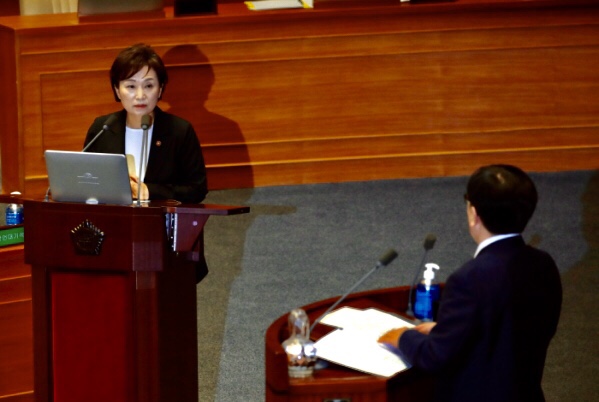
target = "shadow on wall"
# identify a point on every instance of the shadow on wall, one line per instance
(572, 365)
(191, 78)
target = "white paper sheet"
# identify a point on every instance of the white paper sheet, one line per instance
(278, 4)
(355, 343)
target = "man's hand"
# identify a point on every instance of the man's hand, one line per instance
(425, 327)
(392, 337)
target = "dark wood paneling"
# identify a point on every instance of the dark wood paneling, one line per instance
(126, 316)
(16, 334)
(9, 7)
(15, 289)
(13, 262)
(25, 397)
(16, 348)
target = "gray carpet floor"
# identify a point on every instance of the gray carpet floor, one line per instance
(304, 243)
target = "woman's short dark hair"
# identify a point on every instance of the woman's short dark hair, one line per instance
(504, 196)
(131, 60)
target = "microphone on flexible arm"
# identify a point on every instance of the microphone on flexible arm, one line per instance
(146, 122)
(429, 243)
(385, 260)
(105, 127)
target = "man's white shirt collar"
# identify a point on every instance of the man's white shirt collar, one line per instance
(493, 239)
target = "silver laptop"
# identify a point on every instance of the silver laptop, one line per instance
(88, 177)
(95, 7)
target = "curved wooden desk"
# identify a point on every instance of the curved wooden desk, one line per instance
(336, 383)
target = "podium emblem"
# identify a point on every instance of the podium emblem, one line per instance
(87, 239)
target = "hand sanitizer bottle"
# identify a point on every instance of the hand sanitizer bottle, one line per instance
(427, 293)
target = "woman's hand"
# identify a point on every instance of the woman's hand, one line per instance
(134, 181)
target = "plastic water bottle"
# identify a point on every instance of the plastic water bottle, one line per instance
(427, 294)
(14, 212)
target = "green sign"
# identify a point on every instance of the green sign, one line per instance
(12, 235)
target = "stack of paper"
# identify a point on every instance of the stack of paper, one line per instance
(278, 4)
(355, 343)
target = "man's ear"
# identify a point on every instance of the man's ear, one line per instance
(473, 218)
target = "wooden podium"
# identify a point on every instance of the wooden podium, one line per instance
(114, 299)
(336, 383)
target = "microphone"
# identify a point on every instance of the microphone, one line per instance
(429, 243)
(146, 122)
(383, 261)
(106, 127)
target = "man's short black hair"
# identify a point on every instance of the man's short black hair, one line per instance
(504, 196)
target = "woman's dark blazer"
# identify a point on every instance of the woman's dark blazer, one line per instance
(496, 318)
(176, 167)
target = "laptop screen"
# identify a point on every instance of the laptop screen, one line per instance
(92, 178)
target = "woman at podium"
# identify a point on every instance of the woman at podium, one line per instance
(175, 166)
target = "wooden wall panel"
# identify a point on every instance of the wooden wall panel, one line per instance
(10, 139)
(16, 333)
(289, 97)
(78, 93)
(414, 144)
(17, 288)
(414, 165)
(13, 263)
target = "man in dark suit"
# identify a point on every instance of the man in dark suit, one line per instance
(499, 311)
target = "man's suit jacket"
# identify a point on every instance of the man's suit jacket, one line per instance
(496, 318)
(176, 167)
